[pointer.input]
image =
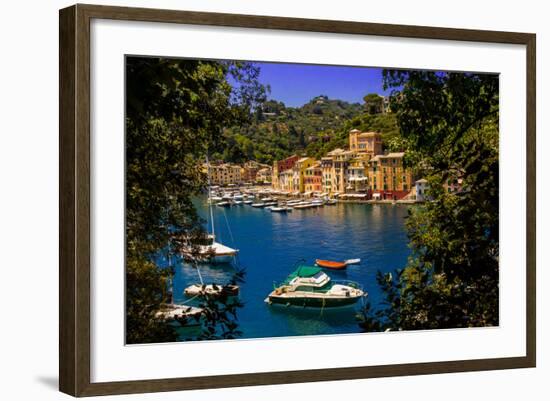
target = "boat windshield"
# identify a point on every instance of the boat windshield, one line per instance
(318, 275)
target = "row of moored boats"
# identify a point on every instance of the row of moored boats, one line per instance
(273, 204)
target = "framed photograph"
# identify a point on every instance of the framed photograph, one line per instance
(249, 200)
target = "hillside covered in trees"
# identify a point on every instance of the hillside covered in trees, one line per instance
(317, 127)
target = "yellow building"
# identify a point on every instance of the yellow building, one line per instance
(275, 183)
(326, 170)
(339, 172)
(224, 174)
(365, 142)
(285, 181)
(264, 175)
(358, 173)
(388, 178)
(299, 171)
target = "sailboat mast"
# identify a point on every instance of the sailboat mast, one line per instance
(171, 278)
(210, 195)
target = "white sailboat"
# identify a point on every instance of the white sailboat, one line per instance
(213, 251)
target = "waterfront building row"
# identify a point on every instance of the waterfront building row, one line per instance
(234, 174)
(363, 168)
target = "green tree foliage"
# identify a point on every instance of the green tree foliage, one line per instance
(176, 111)
(329, 140)
(278, 131)
(449, 126)
(146, 291)
(374, 103)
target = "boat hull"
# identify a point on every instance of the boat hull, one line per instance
(218, 259)
(328, 264)
(310, 301)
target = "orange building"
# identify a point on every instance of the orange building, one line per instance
(313, 179)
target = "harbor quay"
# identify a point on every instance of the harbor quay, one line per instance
(362, 173)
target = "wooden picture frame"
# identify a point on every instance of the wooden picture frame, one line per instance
(74, 203)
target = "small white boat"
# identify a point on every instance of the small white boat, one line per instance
(248, 202)
(211, 289)
(224, 204)
(237, 202)
(184, 314)
(278, 209)
(303, 205)
(260, 204)
(352, 261)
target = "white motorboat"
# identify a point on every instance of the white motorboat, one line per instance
(310, 286)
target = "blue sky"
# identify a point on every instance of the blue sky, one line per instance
(296, 84)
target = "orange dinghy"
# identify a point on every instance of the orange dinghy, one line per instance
(329, 264)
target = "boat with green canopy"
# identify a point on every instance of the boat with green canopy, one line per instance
(310, 286)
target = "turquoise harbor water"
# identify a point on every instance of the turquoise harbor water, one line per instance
(270, 244)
